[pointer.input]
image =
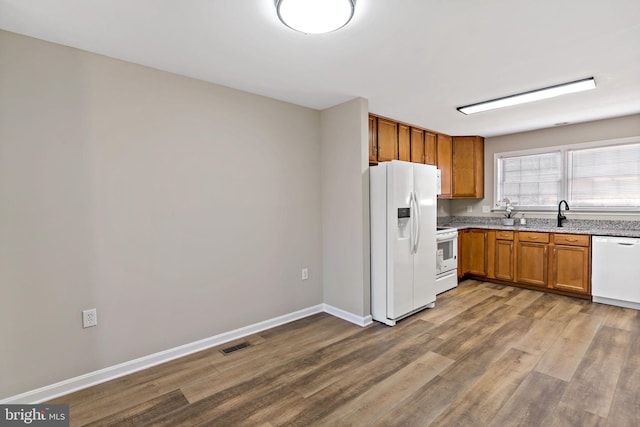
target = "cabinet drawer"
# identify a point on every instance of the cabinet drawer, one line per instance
(504, 235)
(571, 239)
(531, 236)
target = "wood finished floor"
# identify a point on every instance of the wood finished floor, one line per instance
(486, 355)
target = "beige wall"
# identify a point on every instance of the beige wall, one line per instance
(620, 127)
(345, 207)
(179, 209)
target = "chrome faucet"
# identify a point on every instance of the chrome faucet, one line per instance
(561, 217)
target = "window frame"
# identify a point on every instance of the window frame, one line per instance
(564, 174)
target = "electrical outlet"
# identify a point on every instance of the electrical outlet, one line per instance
(469, 208)
(486, 209)
(305, 273)
(89, 318)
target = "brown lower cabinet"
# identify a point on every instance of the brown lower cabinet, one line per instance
(571, 263)
(477, 252)
(504, 253)
(462, 253)
(559, 263)
(532, 264)
(472, 252)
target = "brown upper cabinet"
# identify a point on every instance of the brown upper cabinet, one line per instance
(404, 142)
(387, 140)
(468, 167)
(444, 161)
(417, 145)
(430, 148)
(423, 146)
(373, 139)
(459, 158)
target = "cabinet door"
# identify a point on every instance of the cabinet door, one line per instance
(570, 266)
(504, 260)
(468, 167)
(444, 159)
(373, 139)
(417, 145)
(430, 148)
(387, 140)
(463, 258)
(477, 252)
(404, 143)
(532, 263)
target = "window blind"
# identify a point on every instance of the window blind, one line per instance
(604, 176)
(532, 181)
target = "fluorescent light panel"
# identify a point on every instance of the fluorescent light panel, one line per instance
(534, 95)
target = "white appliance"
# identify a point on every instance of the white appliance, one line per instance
(403, 241)
(615, 270)
(446, 259)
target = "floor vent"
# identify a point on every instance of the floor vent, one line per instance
(236, 347)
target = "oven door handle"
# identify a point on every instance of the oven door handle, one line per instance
(446, 237)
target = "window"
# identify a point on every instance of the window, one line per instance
(599, 176)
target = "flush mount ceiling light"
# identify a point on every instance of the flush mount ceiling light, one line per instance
(534, 95)
(315, 16)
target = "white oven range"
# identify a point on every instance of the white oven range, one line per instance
(446, 259)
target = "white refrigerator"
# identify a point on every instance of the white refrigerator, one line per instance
(403, 239)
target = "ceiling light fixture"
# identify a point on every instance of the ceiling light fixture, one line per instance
(315, 16)
(534, 95)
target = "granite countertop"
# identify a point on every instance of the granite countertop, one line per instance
(570, 226)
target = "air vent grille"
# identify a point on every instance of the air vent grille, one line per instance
(236, 347)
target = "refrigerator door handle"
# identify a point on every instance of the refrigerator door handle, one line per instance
(418, 222)
(412, 215)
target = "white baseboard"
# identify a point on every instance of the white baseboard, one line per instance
(92, 378)
(616, 302)
(345, 315)
(112, 372)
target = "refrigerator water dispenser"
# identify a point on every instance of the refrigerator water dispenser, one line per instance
(404, 216)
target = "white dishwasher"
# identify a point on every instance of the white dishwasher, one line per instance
(615, 271)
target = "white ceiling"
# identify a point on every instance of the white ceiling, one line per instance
(414, 60)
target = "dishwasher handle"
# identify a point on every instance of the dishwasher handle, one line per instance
(618, 241)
